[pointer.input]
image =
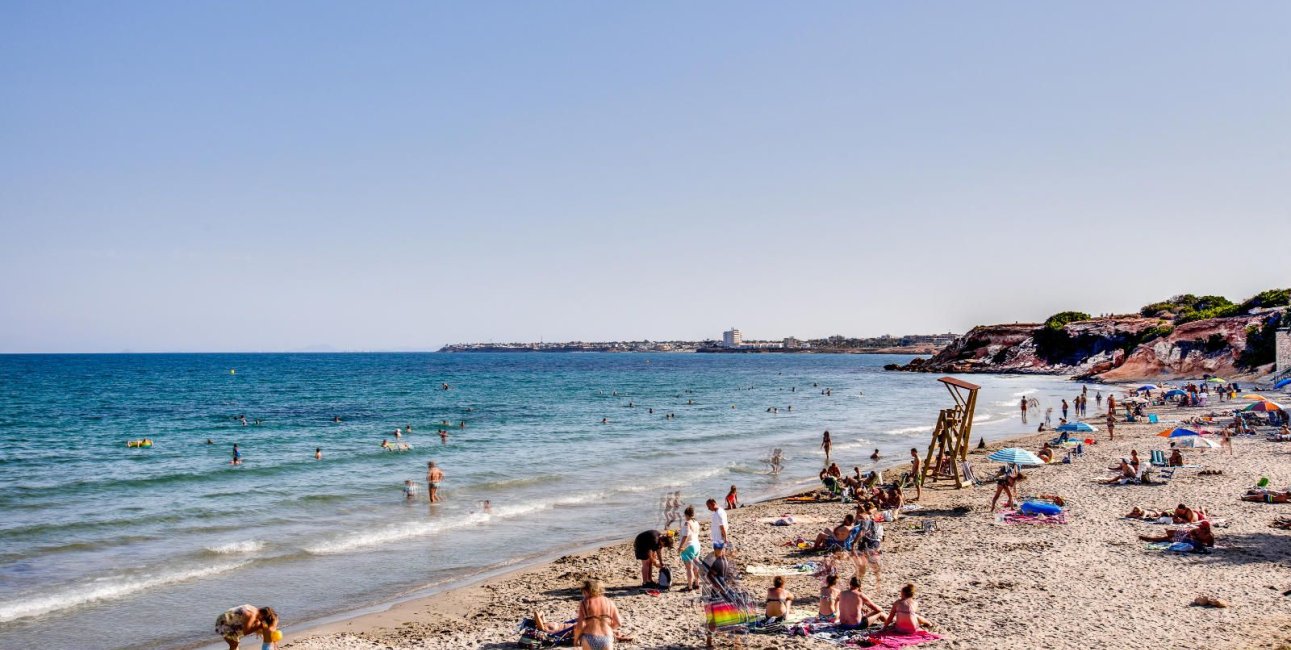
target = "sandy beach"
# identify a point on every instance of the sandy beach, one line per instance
(984, 584)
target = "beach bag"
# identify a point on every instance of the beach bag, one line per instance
(665, 577)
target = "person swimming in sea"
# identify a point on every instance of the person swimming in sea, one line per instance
(209, 441)
(237, 455)
(318, 453)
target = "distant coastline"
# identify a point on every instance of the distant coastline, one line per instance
(916, 344)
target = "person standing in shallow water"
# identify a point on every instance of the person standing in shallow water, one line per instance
(826, 445)
(434, 476)
(1024, 410)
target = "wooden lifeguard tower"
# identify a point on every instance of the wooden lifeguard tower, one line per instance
(954, 429)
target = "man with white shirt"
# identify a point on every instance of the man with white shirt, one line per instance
(719, 533)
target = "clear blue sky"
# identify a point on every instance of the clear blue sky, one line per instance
(278, 175)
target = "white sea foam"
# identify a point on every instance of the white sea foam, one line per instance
(393, 533)
(245, 546)
(104, 589)
(914, 429)
(1026, 392)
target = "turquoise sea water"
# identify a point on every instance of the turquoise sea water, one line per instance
(102, 546)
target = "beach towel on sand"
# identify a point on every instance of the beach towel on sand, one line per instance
(1014, 517)
(894, 640)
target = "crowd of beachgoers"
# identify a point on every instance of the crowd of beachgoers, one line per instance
(1141, 521)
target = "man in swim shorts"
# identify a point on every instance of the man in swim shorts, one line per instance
(434, 476)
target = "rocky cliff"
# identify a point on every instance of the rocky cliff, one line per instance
(1114, 348)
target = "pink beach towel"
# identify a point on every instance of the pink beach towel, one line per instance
(893, 640)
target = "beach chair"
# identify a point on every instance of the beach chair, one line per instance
(1158, 458)
(966, 469)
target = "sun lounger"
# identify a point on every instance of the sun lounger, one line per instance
(966, 468)
(1158, 458)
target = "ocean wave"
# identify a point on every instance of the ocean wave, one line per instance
(512, 483)
(392, 533)
(914, 429)
(1026, 392)
(104, 589)
(245, 546)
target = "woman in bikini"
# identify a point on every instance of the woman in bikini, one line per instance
(828, 599)
(904, 617)
(598, 618)
(779, 600)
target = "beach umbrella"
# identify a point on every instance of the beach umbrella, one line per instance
(1258, 398)
(1144, 387)
(1077, 427)
(1264, 407)
(1217, 380)
(1015, 456)
(1284, 382)
(1177, 432)
(1176, 393)
(1196, 442)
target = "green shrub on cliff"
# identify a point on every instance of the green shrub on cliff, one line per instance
(1270, 298)
(1057, 321)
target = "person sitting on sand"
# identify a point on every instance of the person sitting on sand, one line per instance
(1267, 496)
(1046, 453)
(904, 617)
(855, 610)
(1125, 473)
(1200, 536)
(828, 607)
(834, 471)
(779, 600)
(1184, 515)
(246, 620)
(1176, 459)
(598, 618)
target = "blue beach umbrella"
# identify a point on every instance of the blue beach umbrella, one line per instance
(1176, 393)
(1284, 382)
(1146, 387)
(1077, 427)
(1015, 456)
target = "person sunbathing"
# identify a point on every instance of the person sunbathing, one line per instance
(1199, 536)
(1267, 496)
(828, 606)
(1046, 453)
(1184, 515)
(904, 617)
(1125, 473)
(1140, 513)
(779, 601)
(855, 610)
(836, 537)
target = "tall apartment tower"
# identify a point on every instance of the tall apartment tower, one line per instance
(732, 338)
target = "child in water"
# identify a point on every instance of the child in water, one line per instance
(409, 492)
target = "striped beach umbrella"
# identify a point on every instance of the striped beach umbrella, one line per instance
(1264, 407)
(1015, 456)
(1253, 396)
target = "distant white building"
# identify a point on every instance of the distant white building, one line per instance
(791, 343)
(732, 338)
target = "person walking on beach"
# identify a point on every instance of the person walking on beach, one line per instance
(597, 620)
(915, 465)
(1111, 424)
(1064, 409)
(719, 532)
(1024, 410)
(690, 548)
(826, 445)
(434, 476)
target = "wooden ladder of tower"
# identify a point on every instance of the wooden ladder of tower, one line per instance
(950, 439)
